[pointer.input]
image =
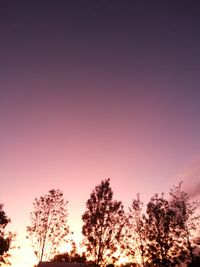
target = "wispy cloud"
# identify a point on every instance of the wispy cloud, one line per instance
(191, 178)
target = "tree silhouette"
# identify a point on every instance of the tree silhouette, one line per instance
(71, 256)
(187, 219)
(135, 242)
(164, 244)
(49, 227)
(103, 224)
(5, 238)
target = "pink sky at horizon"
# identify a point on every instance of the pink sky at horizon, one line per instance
(76, 207)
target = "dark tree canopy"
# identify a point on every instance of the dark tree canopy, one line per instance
(187, 218)
(164, 233)
(103, 222)
(5, 238)
(164, 244)
(49, 227)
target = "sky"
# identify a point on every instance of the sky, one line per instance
(91, 90)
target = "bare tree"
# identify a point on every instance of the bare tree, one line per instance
(103, 224)
(49, 227)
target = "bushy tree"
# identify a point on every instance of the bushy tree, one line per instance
(103, 222)
(164, 245)
(187, 219)
(164, 234)
(49, 227)
(5, 237)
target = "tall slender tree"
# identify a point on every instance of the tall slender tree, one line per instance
(135, 244)
(103, 224)
(49, 227)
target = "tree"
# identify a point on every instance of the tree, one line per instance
(164, 245)
(103, 224)
(5, 238)
(187, 219)
(49, 227)
(68, 257)
(71, 256)
(136, 230)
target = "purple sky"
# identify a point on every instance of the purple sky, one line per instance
(96, 89)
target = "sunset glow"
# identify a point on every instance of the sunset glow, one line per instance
(91, 90)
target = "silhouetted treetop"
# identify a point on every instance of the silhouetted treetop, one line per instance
(103, 222)
(49, 228)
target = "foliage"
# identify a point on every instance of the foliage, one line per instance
(72, 256)
(103, 224)
(164, 234)
(5, 238)
(130, 264)
(164, 245)
(187, 219)
(135, 242)
(48, 227)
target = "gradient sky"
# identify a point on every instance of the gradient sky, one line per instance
(96, 89)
